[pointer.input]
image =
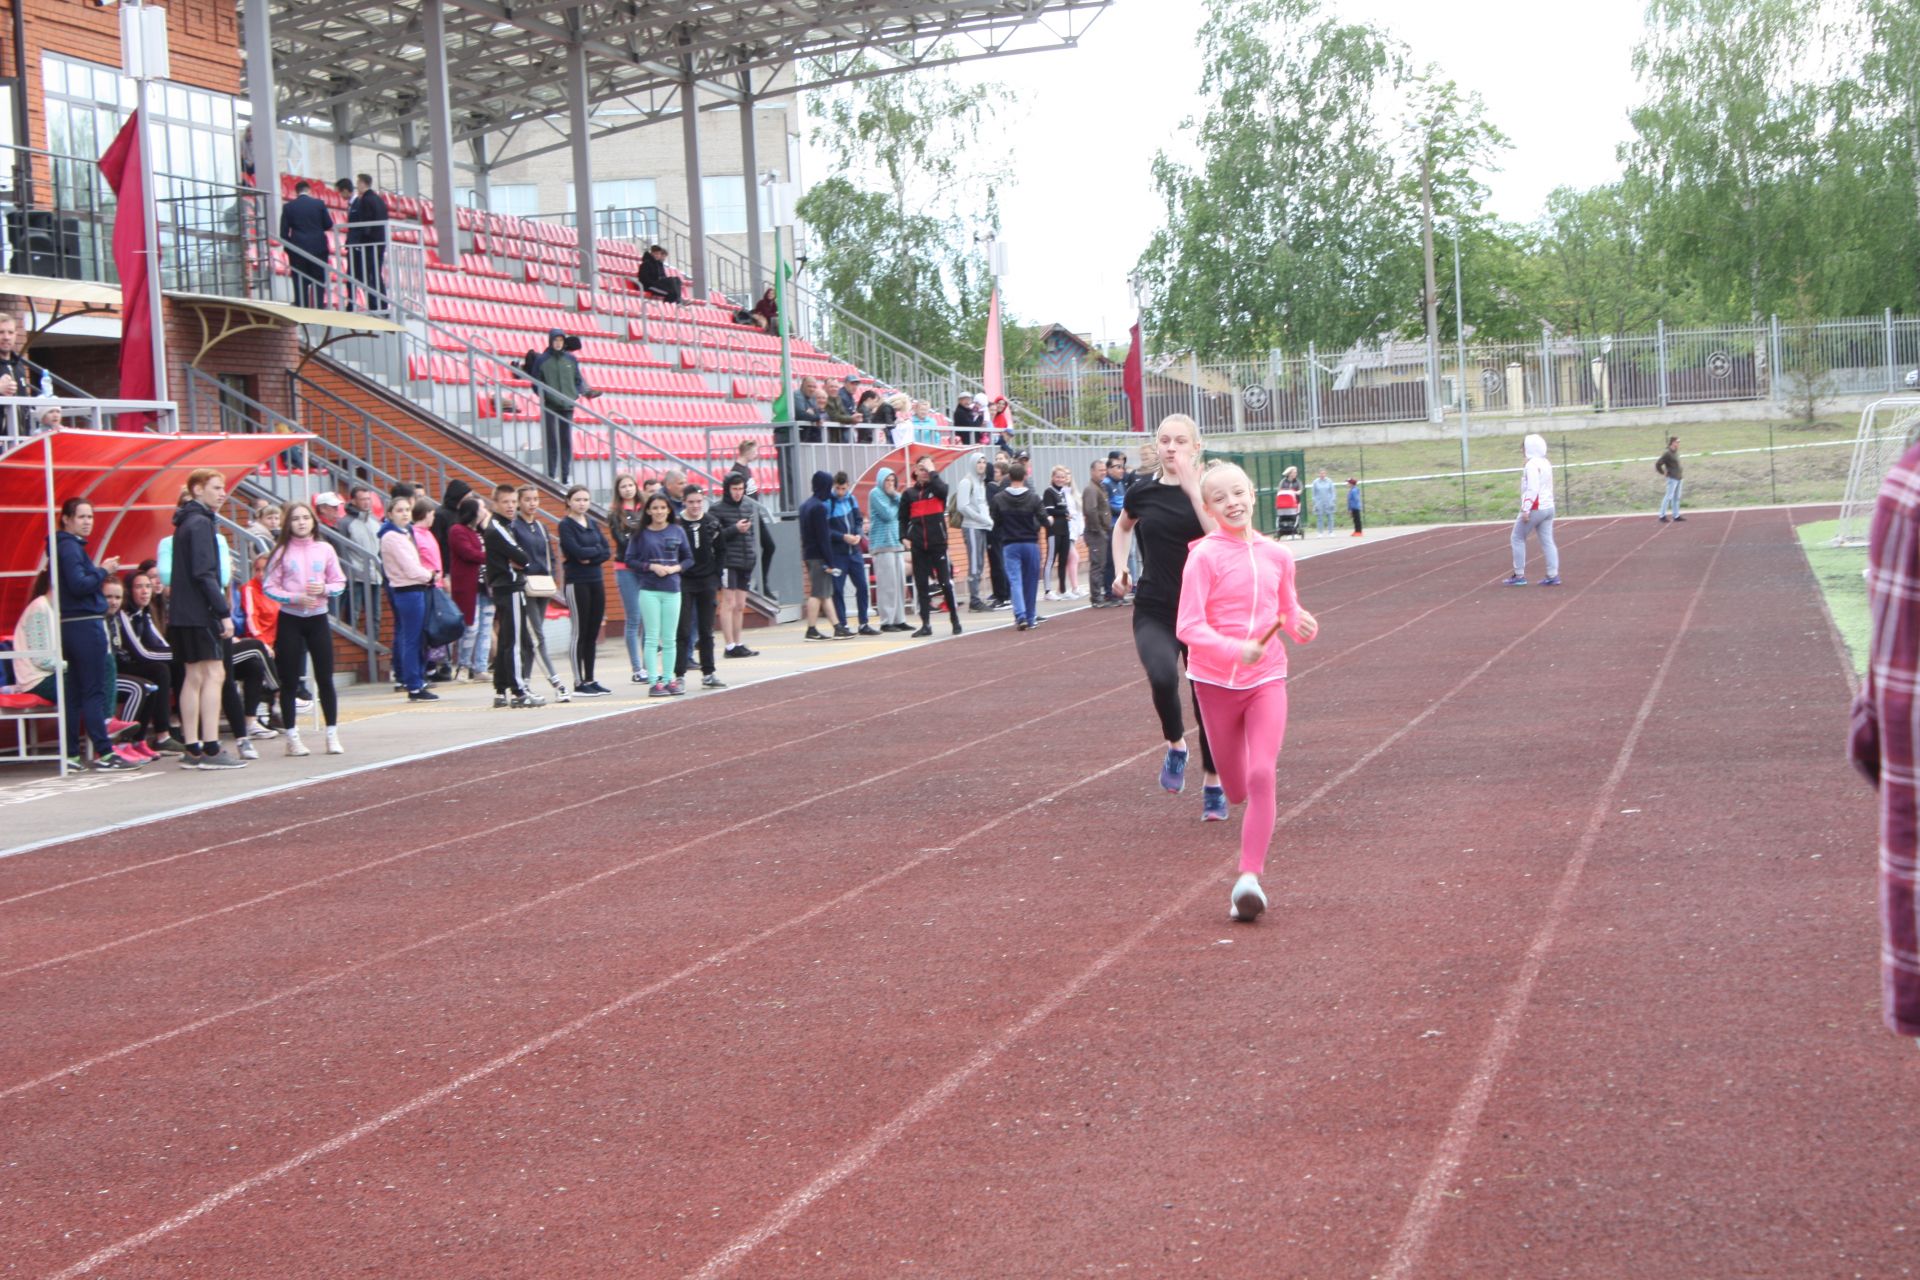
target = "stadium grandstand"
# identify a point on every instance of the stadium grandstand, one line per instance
(394, 352)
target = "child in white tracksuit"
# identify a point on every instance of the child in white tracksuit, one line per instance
(1536, 515)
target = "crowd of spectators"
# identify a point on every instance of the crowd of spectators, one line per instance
(856, 413)
(233, 630)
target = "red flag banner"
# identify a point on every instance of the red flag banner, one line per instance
(121, 168)
(1136, 381)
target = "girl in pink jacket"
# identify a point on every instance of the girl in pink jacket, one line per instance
(1237, 591)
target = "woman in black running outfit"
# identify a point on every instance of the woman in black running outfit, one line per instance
(1165, 512)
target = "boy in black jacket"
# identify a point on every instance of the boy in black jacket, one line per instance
(923, 527)
(699, 586)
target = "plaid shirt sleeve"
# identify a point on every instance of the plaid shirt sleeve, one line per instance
(1886, 729)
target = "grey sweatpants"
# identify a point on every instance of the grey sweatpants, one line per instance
(1540, 524)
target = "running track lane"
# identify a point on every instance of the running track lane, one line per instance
(1323, 611)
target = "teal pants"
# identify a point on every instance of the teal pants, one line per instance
(660, 616)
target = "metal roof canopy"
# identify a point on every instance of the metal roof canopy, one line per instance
(369, 71)
(351, 69)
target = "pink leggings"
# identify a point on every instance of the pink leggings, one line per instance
(1245, 728)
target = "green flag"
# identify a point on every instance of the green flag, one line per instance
(783, 403)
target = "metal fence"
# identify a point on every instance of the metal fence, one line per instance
(1774, 362)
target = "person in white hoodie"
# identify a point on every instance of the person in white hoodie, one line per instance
(1536, 516)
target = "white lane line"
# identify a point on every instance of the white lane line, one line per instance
(421, 1101)
(552, 895)
(214, 1201)
(1424, 1211)
(494, 827)
(783, 1215)
(222, 802)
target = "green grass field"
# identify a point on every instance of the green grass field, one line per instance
(1789, 473)
(1838, 570)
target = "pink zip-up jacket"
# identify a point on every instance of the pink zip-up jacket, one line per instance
(305, 560)
(1232, 591)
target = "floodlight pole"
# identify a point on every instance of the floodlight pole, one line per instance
(1460, 343)
(1433, 299)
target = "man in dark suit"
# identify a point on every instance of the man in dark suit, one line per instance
(304, 224)
(654, 280)
(367, 244)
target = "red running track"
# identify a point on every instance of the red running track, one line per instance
(909, 969)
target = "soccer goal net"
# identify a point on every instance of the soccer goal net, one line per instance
(1888, 429)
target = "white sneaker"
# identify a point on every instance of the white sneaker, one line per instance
(333, 743)
(1248, 900)
(247, 751)
(295, 747)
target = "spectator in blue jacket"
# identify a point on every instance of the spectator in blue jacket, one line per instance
(84, 641)
(816, 554)
(845, 529)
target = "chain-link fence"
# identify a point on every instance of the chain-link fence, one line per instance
(1773, 361)
(1597, 471)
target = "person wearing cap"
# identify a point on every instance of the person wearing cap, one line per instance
(968, 421)
(849, 396)
(1353, 503)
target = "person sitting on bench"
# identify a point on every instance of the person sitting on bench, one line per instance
(654, 280)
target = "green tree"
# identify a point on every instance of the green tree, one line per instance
(1289, 229)
(892, 232)
(1730, 144)
(1594, 270)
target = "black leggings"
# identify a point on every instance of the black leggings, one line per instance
(250, 678)
(1161, 653)
(300, 638)
(587, 602)
(152, 710)
(929, 568)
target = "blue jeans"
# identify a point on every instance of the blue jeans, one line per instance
(1023, 577)
(1673, 497)
(629, 584)
(409, 628)
(1540, 524)
(476, 646)
(1323, 520)
(854, 568)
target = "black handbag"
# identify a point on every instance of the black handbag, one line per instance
(444, 623)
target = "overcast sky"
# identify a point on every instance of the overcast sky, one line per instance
(1557, 78)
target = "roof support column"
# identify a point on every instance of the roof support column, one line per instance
(409, 160)
(750, 174)
(433, 32)
(266, 113)
(342, 148)
(482, 174)
(580, 117)
(696, 266)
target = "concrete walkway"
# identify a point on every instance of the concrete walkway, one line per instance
(380, 729)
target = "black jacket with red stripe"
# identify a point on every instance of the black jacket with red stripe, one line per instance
(923, 517)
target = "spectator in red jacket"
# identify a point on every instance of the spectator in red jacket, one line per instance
(468, 557)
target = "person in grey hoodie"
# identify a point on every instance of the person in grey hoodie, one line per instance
(976, 522)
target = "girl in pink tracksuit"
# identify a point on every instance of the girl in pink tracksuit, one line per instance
(1237, 586)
